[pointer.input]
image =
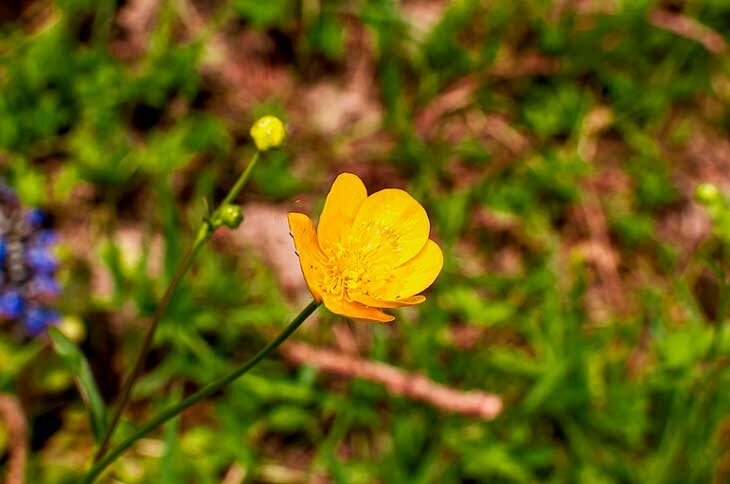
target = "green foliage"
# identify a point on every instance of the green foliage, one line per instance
(718, 206)
(75, 361)
(326, 35)
(266, 14)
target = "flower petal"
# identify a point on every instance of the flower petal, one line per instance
(311, 257)
(356, 310)
(414, 276)
(343, 202)
(392, 224)
(378, 303)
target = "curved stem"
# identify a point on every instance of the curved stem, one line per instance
(241, 182)
(204, 233)
(204, 392)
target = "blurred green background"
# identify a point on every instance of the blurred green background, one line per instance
(557, 147)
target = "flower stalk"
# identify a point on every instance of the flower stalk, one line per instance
(204, 392)
(218, 218)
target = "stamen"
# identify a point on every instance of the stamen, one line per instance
(356, 264)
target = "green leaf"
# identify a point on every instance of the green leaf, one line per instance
(75, 361)
(327, 36)
(265, 14)
(496, 461)
(14, 359)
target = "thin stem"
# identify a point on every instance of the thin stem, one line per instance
(180, 272)
(242, 180)
(204, 392)
(718, 270)
(204, 233)
(219, 18)
(723, 302)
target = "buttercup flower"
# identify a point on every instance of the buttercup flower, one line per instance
(368, 252)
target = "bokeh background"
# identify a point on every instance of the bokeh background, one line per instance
(563, 150)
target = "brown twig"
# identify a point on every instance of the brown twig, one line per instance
(689, 28)
(601, 250)
(498, 128)
(12, 414)
(525, 64)
(236, 474)
(399, 382)
(458, 97)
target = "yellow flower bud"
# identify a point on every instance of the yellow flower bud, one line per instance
(707, 193)
(268, 132)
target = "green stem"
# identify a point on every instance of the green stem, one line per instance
(204, 392)
(218, 20)
(241, 182)
(204, 233)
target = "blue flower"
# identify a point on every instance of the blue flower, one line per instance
(45, 238)
(11, 304)
(37, 319)
(41, 260)
(35, 218)
(45, 286)
(6, 193)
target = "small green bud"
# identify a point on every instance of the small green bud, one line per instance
(707, 193)
(268, 132)
(229, 215)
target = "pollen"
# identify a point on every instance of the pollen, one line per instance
(350, 267)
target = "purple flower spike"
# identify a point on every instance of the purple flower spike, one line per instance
(27, 265)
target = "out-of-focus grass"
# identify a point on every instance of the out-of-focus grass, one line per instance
(557, 149)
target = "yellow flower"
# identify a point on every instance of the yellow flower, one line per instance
(368, 252)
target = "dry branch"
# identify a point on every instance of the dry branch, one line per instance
(12, 414)
(399, 382)
(689, 28)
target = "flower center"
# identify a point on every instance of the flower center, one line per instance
(359, 263)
